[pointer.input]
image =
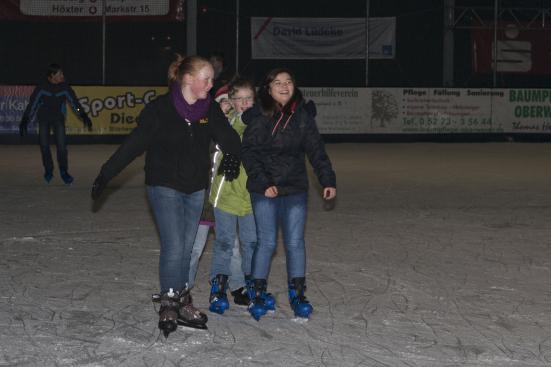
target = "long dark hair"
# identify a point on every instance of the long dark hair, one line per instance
(268, 103)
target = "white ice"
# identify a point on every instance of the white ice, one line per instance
(435, 255)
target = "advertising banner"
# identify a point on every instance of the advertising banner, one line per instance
(434, 110)
(86, 8)
(431, 110)
(13, 101)
(340, 110)
(91, 10)
(322, 38)
(382, 38)
(526, 110)
(518, 50)
(113, 110)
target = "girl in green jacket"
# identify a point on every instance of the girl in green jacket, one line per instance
(232, 209)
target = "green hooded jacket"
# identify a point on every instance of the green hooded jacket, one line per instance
(231, 196)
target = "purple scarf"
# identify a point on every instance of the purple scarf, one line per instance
(191, 112)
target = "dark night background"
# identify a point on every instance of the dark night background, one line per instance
(139, 52)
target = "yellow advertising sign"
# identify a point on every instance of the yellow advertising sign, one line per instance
(113, 110)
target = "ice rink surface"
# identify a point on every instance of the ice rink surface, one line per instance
(434, 255)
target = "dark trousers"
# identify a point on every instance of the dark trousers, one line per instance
(58, 126)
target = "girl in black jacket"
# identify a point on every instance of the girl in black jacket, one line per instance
(175, 131)
(281, 131)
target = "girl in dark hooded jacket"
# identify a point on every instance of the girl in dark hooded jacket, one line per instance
(281, 131)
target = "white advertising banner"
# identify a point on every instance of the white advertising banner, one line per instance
(382, 38)
(322, 38)
(431, 110)
(308, 38)
(87, 8)
(340, 110)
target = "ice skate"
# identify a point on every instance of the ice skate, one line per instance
(188, 315)
(269, 300)
(257, 307)
(300, 305)
(241, 296)
(168, 312)
(218, 298)
(66, 177)
(48, 176)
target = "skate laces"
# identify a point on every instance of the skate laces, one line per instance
(298, 295)
(301, 298)
(168, 309)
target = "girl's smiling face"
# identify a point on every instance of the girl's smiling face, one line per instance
(242, 100)
(201, 83)
(282, 88)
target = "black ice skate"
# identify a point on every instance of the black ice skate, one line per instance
(241, 296)
(168, 312)
(188, 315)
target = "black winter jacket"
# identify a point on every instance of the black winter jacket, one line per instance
(177, 155)
(48, 102)
(278, 159)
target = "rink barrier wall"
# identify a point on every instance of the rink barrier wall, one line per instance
(343, 114)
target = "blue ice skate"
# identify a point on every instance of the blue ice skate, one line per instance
(218, 298)
(300, 305)
(257, 307)
(269, 300)
(48, 176)
(66, 177)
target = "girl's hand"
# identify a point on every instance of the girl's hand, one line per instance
(271, 192)
(329, 193)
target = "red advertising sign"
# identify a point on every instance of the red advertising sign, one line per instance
(518, 50)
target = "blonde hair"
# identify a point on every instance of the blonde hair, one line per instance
(185, 65)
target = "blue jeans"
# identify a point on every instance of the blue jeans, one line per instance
(177, 216)
(237, 279)
(198, 246)
(225, 229)
(58, 126)
(290, 212)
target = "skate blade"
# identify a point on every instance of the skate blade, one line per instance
(218, 310)
(257, 316)
(192, 325)
(167, 327)
(300, 320)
